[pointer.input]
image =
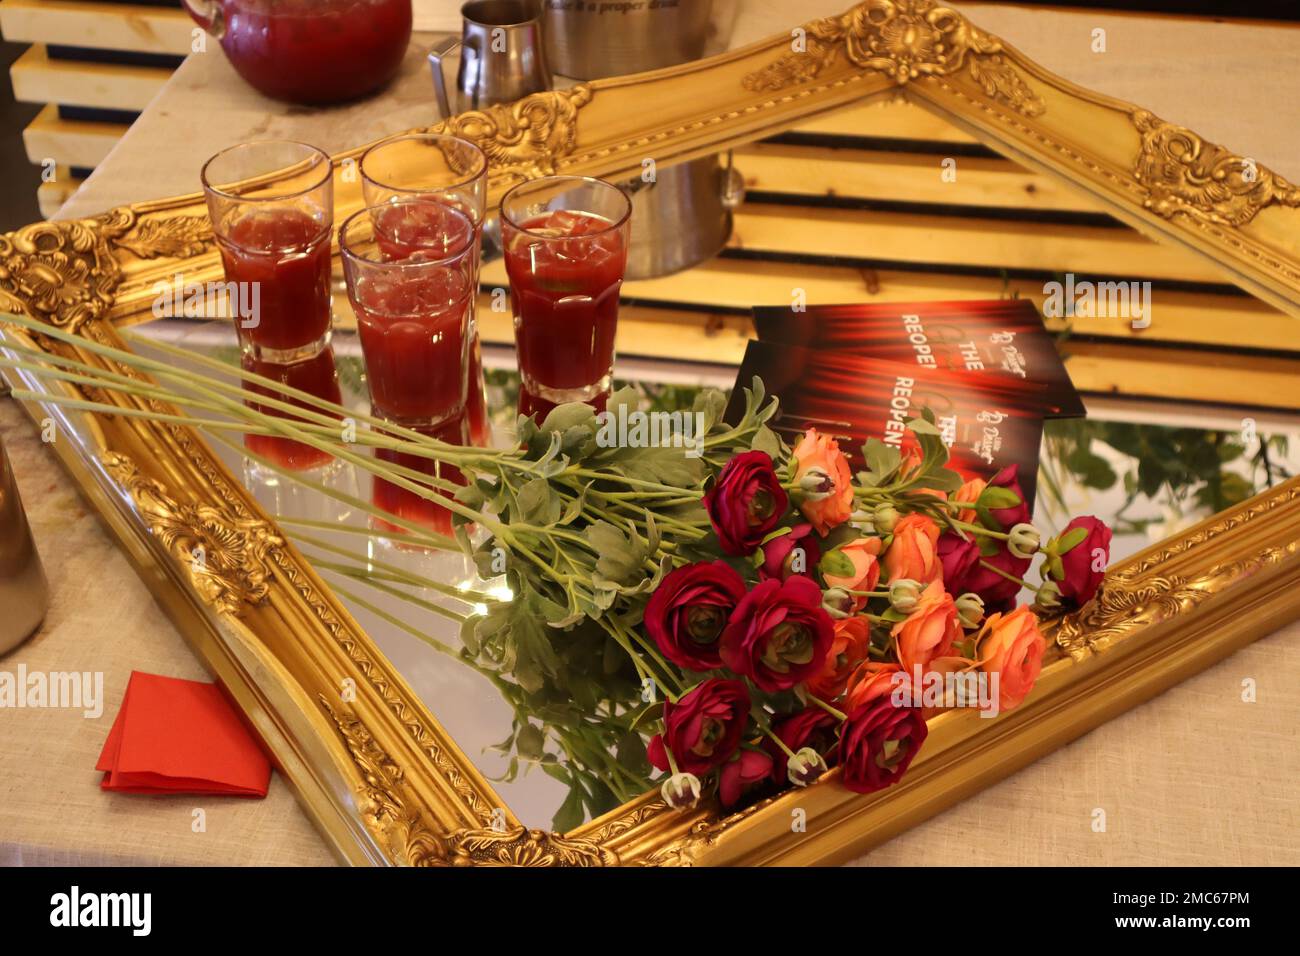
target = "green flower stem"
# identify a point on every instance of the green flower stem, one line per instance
(414, 533)
(401, 574)
(869, 594)
(779, 742)
(1010, 577)
(445, 451)
(362, 574)
(397, 622)
(978, 529)
(837, 714)
(398, 537)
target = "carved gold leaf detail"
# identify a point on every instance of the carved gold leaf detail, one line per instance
(523, 139)
(905, 39)
(1185, 174)
(62, 272)
(390, 815)
(176, 237)
(226, 555)
(1124, 605)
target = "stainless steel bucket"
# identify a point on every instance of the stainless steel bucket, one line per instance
(682, 214)
(588, 39)
(24, 592)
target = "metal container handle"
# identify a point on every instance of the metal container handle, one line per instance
(437, 53)
(733, 185)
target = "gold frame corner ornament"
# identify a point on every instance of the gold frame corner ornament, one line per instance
(383, 780)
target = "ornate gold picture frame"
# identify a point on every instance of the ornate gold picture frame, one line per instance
(379, 775)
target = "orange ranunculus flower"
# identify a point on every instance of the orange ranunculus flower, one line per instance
(872, 679)
(969, 492)
(929, 631)
(910, 457)
(912, 553)
(848, 650)
(818, 451)
(866, 569)
(1011, 646)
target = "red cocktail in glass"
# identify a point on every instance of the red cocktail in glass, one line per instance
(317, 376)
(413, 311)
(452, 171)
(566, 251)
(272, 209)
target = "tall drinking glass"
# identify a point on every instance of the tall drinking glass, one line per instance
(565, 241)
(411, 288)
(272, 210)
(451, 171)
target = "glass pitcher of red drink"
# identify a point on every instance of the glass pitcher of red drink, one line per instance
(309, 51)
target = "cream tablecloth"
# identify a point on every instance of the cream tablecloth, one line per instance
(1197, 776)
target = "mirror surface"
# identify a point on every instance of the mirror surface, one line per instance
(1148, 470)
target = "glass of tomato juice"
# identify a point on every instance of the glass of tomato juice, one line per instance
(565, 241)
(272, 210)
(452, 171)
(411, 285)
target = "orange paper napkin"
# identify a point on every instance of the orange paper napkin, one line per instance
(181, 736)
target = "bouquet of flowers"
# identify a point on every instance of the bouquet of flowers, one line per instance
(676, 593)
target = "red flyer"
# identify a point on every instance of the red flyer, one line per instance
(1004, 337)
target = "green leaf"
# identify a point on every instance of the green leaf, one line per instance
(769, 441)
(538, 503)
(881, 458)
(1070, 540)
(571, 814)
(530, 741)
(996, 496)
(649, 715)
(619, 558)
(837, 564)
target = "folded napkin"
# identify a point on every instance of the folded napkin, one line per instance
(181, 736)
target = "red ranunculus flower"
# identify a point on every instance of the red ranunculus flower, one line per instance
(877, 744)
(703, 728)
(779, 554)
(748, 770)
(746, 502)
(811, 727)
(1009, 477)
(1081, 562)
(959, 557)
(997, 591)
(688, 611)
(778, 635)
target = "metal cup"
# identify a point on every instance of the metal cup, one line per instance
(24, 592)
(502, 56)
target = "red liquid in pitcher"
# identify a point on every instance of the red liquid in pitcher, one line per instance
(565, 274)
(317, 376)
(413, 333)
(408, 505)
(287, 254)
(316, 51)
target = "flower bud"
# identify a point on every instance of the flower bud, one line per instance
(805, 767)
(816, 484)
(863, 520)
(1023, 540)
(681, 791)
(903, 594)
(1049, 596)
(970, 610)
(886, 516)
(838, 603)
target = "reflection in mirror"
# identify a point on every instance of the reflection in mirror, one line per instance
(1148, 470)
